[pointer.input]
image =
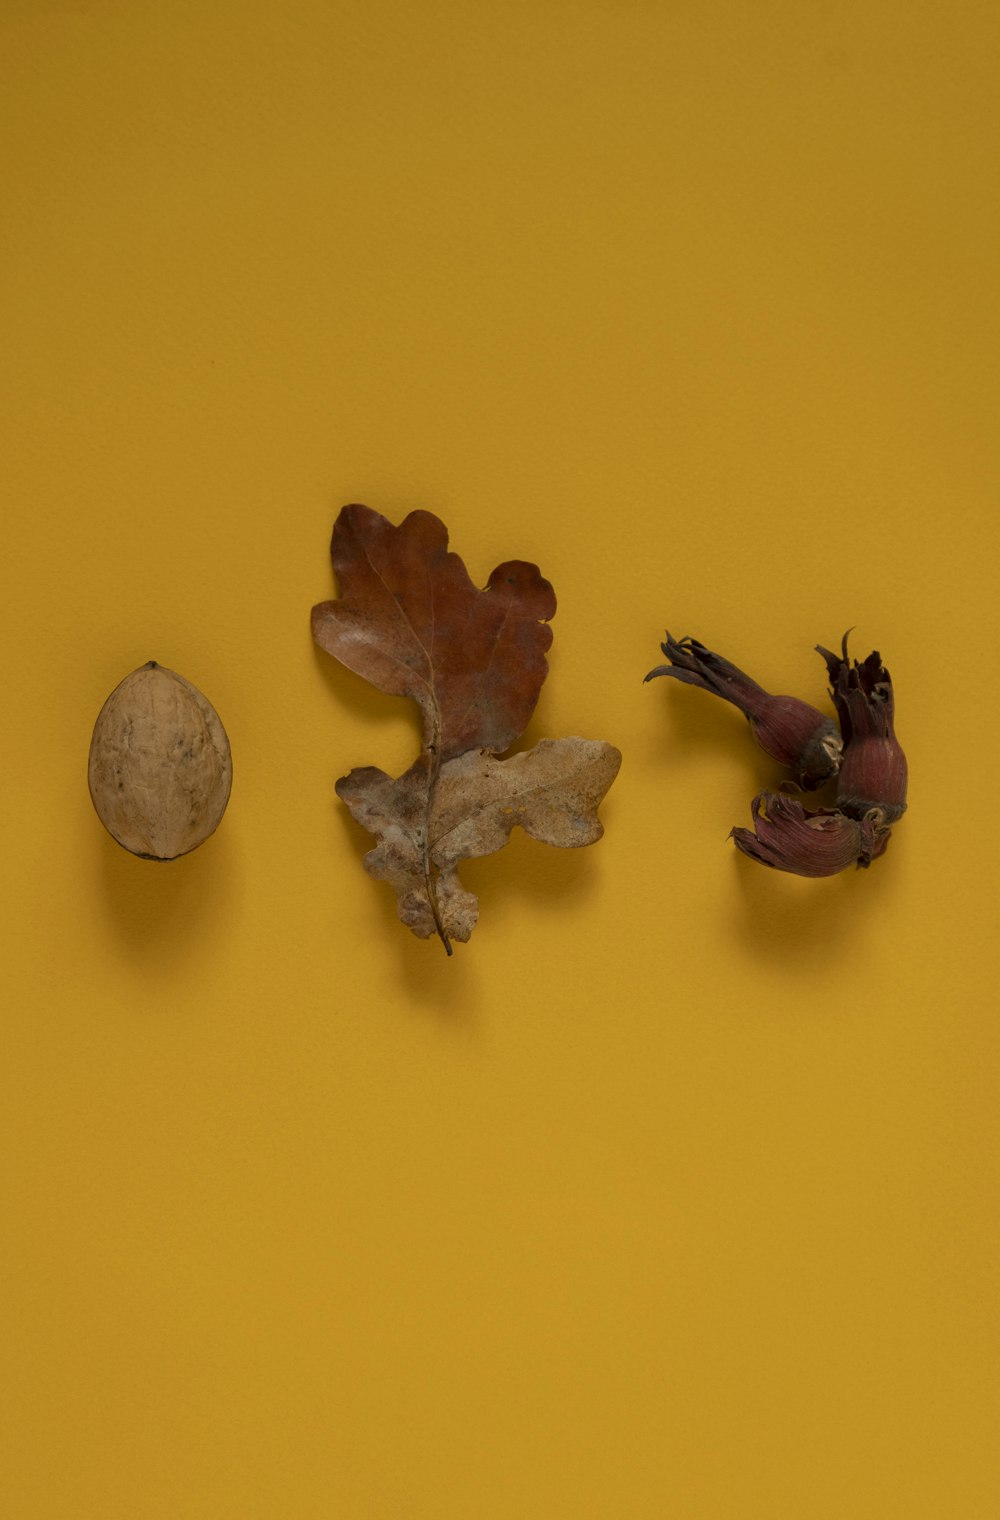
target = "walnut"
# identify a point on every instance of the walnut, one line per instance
(160, 765)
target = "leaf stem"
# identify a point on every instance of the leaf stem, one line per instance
(442, 931)
(434, 749)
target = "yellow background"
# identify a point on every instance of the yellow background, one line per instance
(674, 1193)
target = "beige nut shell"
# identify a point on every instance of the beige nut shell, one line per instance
(160, 766)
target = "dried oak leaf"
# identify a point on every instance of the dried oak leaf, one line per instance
(551, 791)
(410, 620)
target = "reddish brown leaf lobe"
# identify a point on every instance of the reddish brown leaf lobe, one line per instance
(410, 620)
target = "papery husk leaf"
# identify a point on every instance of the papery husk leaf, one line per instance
(821, 842)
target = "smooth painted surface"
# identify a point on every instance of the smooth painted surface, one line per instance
(674, 1193)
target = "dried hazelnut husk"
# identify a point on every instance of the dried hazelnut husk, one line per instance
(823, 842)
(873, 773)
(786, 728)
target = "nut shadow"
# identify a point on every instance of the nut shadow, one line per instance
(690, 723)
(799, 924)
(790, 923)
(163, 913)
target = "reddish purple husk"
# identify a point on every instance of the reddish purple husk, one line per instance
(789, 837)
(873, 771)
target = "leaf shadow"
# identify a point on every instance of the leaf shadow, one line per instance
(544, 877)
(362, 699)
(446, 985)
(529, 876)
